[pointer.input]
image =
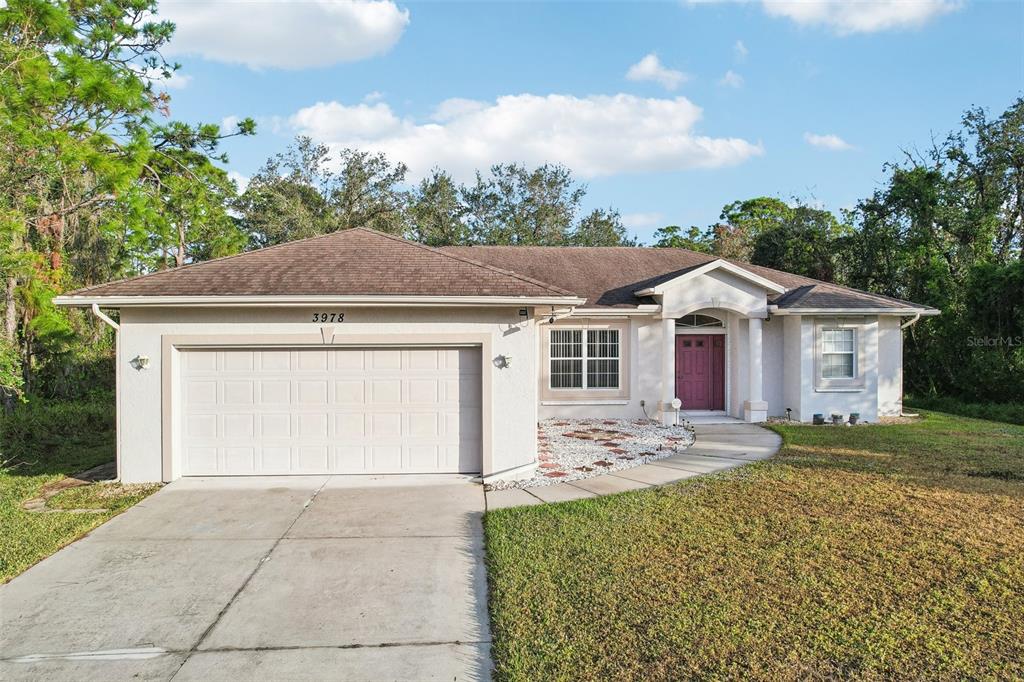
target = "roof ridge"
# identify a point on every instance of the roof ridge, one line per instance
(807, 281)
(463, 259)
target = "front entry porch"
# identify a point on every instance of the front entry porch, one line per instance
(712, 366)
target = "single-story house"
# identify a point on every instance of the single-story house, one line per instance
(362, 353)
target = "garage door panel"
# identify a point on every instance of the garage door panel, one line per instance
(275, 360)
(312, 361)
(423, 391)
(239, 426)
(275, 459)
(330, 411)
(350, 392)
(312, 392)
(237, 392)
(275, 392)
(241, 459)
(350, 425)
(238, 361)
(312, 459)
(386, 391)
(201, 460)
(385, 459)
(423, 425)
(275, 426)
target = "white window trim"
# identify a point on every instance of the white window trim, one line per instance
(585, 332)
(842, 384)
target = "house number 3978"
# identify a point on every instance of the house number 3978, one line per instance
(328, 317)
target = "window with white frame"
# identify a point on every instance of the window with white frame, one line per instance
(838, 354)
(584, 358)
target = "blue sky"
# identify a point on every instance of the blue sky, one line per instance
(820, 94)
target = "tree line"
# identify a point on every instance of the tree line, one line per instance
(98, 181)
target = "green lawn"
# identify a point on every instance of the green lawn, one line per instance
(876, 552)
(28, 537)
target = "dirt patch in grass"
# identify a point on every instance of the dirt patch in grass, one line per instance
(867, 553)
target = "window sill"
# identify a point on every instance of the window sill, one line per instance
(839, 389)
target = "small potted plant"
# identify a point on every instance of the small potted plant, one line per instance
(854, 418)
(819, 419)
(837, 419)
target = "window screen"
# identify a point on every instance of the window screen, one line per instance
(595, 350)
(837, 353)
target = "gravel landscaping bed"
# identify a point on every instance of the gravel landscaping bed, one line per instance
(571, 449)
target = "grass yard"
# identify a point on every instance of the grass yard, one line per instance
(876, 552)
(28, 537)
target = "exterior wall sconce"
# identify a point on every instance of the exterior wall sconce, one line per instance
(140, 362)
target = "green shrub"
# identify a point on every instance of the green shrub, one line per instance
(76, 374)
(38, 427)
(1010, 413)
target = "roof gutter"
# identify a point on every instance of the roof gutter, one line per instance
(902, 312)
(297, 301)
(643, 309)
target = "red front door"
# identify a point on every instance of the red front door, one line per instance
(700, 371)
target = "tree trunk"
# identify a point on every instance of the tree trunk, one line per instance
(179, 257)
(10, 309)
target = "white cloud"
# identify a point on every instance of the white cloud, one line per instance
(855, 16)
(229, 123)
(639, 221)
(176, 81)
(650, 68)
(740, 51)
(374, 96)
(831, 142)
(281, 34)
(241, 180)
(454, 107)
(731, 79)
(595, 136)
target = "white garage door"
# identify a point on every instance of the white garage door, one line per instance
(339, 410)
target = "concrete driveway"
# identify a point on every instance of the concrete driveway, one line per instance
(289, 578)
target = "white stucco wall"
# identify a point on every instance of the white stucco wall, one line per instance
(879, 363)
(513, 395)
(890, 367)
(645, 349)
(773, 365)
(792, 363)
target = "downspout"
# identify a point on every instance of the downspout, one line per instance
(103, 316)
(117, 383)
(911, 321)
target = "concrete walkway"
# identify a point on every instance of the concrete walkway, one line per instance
(718, 447)
(308, 577)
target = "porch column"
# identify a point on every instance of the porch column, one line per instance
(755, 409)
(668, 370)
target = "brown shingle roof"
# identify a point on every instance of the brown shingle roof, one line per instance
(363, 262)
(350, 263)
(608, 276)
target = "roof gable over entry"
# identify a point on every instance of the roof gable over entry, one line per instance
(353, 263)
(677, 279)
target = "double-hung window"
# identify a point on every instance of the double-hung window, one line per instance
(584, 358)
(838, 354)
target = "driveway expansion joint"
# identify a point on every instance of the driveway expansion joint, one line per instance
(248, 579)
